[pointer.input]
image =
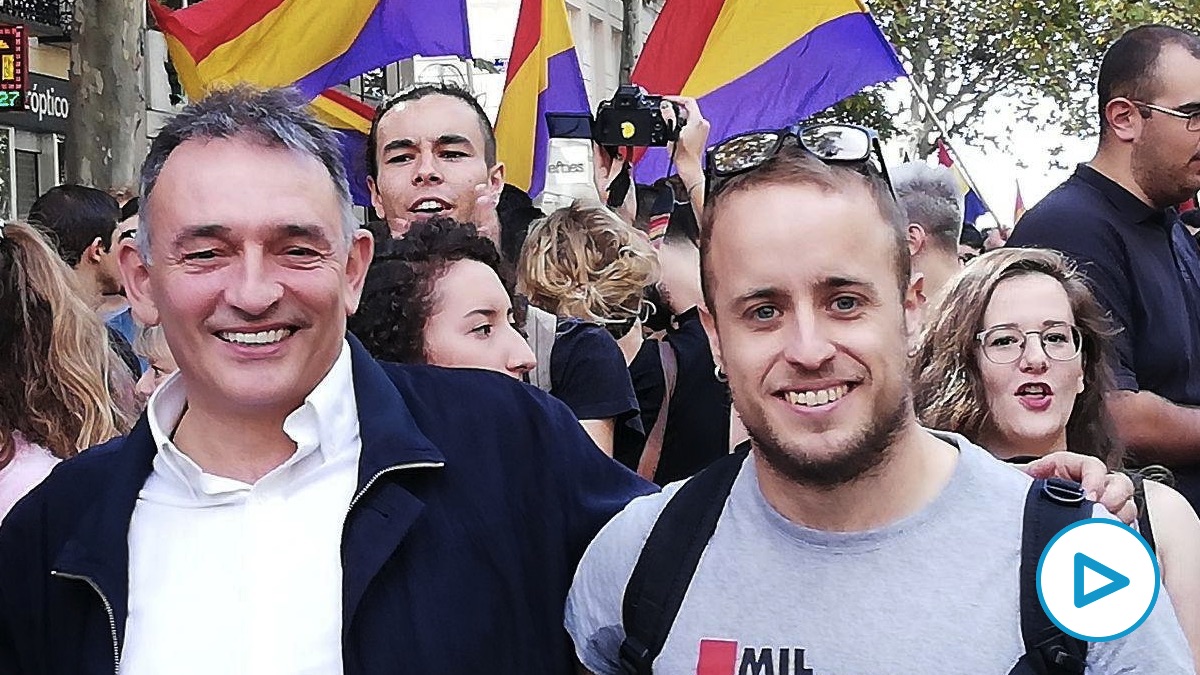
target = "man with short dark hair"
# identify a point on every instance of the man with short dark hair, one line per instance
(82, 221)
(1116, 218)
(432, 151)
(287, 504)
(849, 539)
(85, 225)
(933, 205)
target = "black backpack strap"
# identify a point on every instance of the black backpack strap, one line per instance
(1144, 527)
(668, 562)
(1051, 505)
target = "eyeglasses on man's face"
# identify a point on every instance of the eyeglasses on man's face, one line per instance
(1006, 344)
(1192, 115)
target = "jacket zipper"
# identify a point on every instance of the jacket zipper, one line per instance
(414, 465)
(112, 619)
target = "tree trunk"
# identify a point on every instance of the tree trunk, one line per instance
(629, 37)
(106, 139)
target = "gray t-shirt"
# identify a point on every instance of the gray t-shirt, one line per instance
(934, 593)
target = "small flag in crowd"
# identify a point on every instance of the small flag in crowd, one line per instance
(791, 59)
(1019, 208)
(313, 45)
(543, 76)
(972, 205)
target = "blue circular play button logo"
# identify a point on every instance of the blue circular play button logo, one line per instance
(1098, 580)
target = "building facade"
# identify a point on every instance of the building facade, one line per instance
(32, 140)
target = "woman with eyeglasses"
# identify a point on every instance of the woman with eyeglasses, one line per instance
(1016, 358)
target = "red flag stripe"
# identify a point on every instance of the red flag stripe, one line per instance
(203, 27)
(675, 44)
(529, 33)
(350, 103)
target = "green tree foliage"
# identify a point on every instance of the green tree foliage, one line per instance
(965, 53)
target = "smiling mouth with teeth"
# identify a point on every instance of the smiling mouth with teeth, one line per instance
(817, 398)
(429, 206)
(266, 337)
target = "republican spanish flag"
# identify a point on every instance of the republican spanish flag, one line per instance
(761, 64)
(313, 45)
(309, 44)
(543, 76)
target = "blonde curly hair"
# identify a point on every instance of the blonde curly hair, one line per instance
(584, 262)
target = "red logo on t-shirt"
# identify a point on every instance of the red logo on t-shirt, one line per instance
(720, 657)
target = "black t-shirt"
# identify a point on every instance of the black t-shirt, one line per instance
(697, 430)
(588, 373)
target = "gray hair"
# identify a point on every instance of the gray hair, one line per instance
(276, 118)
(930, 197)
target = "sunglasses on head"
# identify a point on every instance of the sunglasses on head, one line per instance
(849, 144)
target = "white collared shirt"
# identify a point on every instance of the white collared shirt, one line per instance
(231, 578)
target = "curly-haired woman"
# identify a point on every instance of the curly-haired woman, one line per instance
(55, 396)
(1016, 358)
(441, 295)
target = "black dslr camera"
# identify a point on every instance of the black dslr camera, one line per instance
(631, 118)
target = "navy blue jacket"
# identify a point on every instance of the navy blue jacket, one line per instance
(476, 498)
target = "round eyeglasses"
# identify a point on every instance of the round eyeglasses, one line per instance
(1005, 344)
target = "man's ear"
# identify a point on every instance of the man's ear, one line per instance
(915, 303)
(714, 341)
(362, 248)
(496, 178)
(1124, 119)
(916, 239)
(135, 274)
(94, 253)
(376, 198)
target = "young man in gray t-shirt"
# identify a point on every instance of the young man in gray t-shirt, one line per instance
(853, 540)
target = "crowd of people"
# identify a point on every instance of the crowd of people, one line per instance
(781, 400)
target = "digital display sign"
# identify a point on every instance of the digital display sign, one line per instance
(14, 67)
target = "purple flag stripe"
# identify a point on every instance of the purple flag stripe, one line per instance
(564, 93)
(396, 30)
(833, 61)
(354, 157)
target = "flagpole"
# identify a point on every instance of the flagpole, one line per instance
(912, 80)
